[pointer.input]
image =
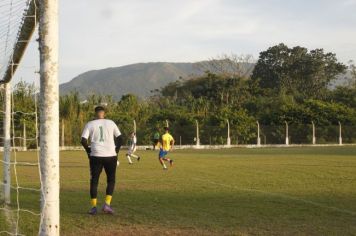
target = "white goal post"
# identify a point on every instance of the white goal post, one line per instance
(49, 116)
(46, 13)
(7, 143)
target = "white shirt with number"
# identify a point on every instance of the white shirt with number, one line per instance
(101, 133)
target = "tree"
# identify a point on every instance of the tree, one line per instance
(229, 65)
(352, 68)
(297, 71)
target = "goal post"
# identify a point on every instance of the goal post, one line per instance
(49, 116)
(24, 35)
(7, 144)
(45, 13)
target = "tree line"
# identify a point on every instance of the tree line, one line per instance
(292, 85)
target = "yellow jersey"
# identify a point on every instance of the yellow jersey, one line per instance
(167, 140)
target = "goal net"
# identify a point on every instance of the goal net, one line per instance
(29, 117)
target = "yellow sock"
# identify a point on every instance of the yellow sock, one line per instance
(108, 199)
(93, 202)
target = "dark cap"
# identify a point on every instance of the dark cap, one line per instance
(99, 108)
(166, 128)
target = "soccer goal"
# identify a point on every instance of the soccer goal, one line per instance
(28, 24)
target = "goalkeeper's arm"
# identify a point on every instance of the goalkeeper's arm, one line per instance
(118, 143)
(84, 143)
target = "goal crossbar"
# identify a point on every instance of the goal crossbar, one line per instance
(28, 25)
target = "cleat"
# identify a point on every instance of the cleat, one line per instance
(138, 158)
(171, 162)
(165, 168)
(107, 209)
(93, 211)
(130, 163)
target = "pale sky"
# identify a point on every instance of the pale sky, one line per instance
(96, 34)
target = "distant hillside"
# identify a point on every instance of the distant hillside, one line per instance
(139, 79)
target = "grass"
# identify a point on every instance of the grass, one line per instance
(274, 191)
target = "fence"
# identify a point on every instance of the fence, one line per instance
(191, 134)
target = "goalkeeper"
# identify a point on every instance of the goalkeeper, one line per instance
(105, 140)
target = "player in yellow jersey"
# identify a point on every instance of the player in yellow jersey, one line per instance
(166, 145)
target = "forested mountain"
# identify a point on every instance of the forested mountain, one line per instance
(139, 79)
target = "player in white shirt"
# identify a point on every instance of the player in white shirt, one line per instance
(105, 142)
(132, 149)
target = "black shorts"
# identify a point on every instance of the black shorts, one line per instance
(155, 141)
(97, 164)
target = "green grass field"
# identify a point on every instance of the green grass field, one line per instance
(275, 191)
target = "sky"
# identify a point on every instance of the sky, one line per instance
(96, 34)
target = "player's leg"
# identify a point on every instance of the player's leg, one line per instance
(128, 156)
(161, 157)
(171, 162)
(134, 155)
(162, 163)
(110, 170)
(96, 166)
(168, 160)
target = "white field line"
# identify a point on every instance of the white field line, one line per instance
(280, 195)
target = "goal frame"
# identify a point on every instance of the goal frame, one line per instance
(45, 14)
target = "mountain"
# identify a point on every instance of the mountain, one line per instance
(139, 79)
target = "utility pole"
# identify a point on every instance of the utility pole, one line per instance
(314, 136)
(258, 134)
(62, 142)
(228, 141)
(197, 134)
(287, 133)
(340, 133)
(24, 143)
